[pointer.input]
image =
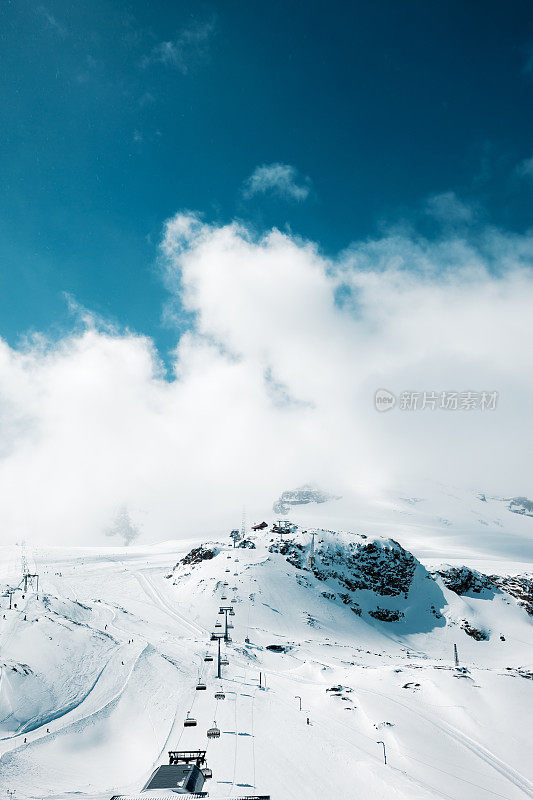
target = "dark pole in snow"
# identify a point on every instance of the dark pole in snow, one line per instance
(297, 697)
(456, 655)
(384, 751)
(226, 610)
(218, 671)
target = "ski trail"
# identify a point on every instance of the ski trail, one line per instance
(105, 690)
(476, 748)
(155, 594)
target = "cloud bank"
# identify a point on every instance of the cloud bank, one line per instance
(273, 384)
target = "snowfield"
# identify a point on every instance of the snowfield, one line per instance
(98, 671)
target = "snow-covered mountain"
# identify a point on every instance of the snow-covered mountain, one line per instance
(99, 671)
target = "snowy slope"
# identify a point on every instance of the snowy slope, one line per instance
(99, 672)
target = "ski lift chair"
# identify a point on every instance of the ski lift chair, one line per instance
(214, 732)
(190, 722)
(220, 696)
(208, 658)
(200, 687)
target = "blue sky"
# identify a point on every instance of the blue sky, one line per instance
(331, 120)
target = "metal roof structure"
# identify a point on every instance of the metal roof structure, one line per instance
(172, 796)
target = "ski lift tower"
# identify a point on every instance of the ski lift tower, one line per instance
(283, 527)
(243, 523)
(226, 610)
(214, 638)
(10, 593)
(31, 579)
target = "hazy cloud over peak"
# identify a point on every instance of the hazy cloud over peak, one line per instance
(274, 379)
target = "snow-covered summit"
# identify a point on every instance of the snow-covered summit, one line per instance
(340, 644)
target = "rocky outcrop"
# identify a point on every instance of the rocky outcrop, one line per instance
(374, 578)
(382, 567)
(462, 580)
(197, 555)
(521, 505)
(518, 586)
(247, 543)
(476, 633)
(386, 614)
(293, 552)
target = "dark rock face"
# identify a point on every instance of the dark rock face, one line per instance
(199, 554)
(248, 543)
(518, 586)
(462, 580)
(521, 505)
(475, 633)
(386, 614)
(386, 570)
(293, 551)
(277, 648)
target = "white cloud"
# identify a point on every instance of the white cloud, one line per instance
(525, 168)
(282, 180)
(273, 385)
(187, 50)
(448, 208)
(52, 23)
